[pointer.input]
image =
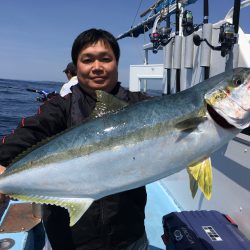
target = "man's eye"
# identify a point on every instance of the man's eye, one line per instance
(106, 59)
(86, 60)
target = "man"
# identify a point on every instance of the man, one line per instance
(70, 72)
(114, 222)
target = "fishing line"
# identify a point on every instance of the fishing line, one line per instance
(136, 13)
(138, 48)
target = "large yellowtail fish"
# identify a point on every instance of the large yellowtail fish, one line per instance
(134, 146)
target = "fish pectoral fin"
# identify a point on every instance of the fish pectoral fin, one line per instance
(200, 175)
(75, 206)
(190, 124)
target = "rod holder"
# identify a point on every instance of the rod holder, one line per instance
(189, 52)
(205, 49)
(177, 52)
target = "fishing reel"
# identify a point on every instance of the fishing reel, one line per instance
(227, 39)
(160, 38)
(188, 26)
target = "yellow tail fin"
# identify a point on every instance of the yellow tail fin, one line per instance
(200, 175)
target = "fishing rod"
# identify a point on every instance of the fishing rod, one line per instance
(167, 51)
(189, 28)
(227, 36)
(232, 38)
(177, 38)
(151, 20)
(205, 21)
(45, 95)
(151, 8)
(41, 92)
(236, 16)
(161, 36)
(168, 69)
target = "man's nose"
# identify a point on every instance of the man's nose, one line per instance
(97, 65)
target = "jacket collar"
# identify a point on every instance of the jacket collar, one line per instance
(91, 93)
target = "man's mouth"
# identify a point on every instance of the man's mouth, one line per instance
(98, 79)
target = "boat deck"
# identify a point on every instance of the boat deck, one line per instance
(155, 211)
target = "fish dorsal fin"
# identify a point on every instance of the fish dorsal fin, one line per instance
(200, 175)
(75, 206)
(106, 103)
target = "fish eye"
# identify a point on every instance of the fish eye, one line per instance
(237, 81)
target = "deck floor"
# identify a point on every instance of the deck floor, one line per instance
(159, 204)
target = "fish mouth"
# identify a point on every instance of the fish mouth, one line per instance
(228, 110)
(229, 121)
(220, 120)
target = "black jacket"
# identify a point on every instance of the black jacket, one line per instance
(113, 222)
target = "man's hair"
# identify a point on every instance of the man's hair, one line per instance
(92, 36)
(71, 68)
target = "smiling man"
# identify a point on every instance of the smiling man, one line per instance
(97, 67)
(115, 222)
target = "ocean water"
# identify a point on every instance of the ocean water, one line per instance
(16, 102)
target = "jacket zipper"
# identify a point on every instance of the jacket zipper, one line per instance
(103, 224)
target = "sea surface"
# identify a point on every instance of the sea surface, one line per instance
(16, 102)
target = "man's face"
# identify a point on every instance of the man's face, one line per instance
(69, 75)
(97, 67)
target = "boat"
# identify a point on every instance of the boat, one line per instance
(192, 53)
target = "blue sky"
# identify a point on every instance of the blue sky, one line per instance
(36, 36)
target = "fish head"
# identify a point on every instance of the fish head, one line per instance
(230, 98)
